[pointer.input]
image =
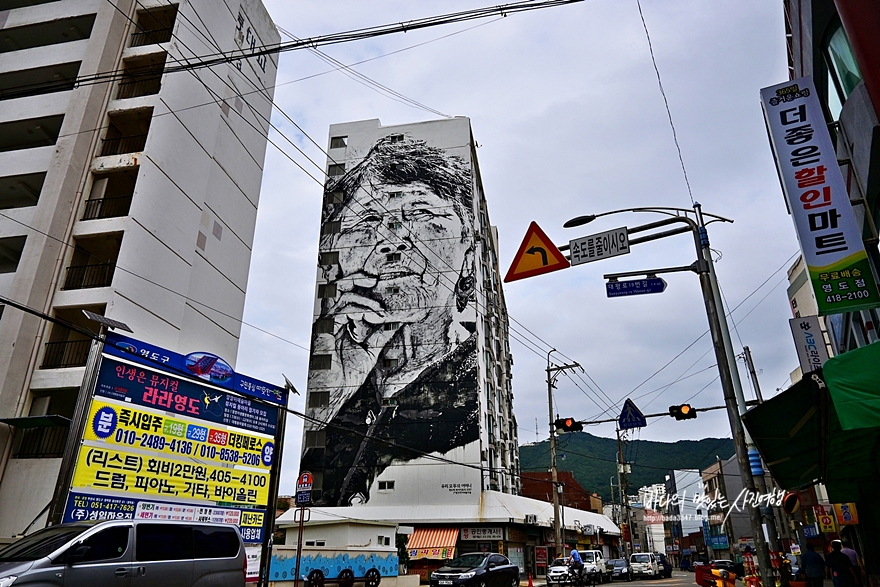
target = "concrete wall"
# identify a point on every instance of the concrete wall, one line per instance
(23, 494)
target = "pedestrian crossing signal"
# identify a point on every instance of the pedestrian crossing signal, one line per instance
(568, 425)
(682, 412)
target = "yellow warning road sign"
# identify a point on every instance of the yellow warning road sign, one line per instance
(536, 255)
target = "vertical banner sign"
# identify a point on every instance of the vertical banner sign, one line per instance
(809, 342)
(830, 238)
(165, 441)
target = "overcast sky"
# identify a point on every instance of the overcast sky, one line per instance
(569, 119)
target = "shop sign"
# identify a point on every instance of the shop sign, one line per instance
(846, 514)
(830, 237)
(482, 533)
(541, 556)
(517, 535)
(825, 518)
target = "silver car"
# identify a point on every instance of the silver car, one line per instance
(126, 553)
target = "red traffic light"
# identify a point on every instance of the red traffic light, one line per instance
(568, 425)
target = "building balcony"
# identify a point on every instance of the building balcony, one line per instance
(41, 443)
(107, 208)
(88, 276)
(135, 87)
(69, 353)
(141, 38)
(123, 144)
(155, 25)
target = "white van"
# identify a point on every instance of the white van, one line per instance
(134, 553)
(644, 564)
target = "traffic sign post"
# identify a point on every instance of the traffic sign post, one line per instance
(635, 287)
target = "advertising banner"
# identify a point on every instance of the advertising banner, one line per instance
(830, 238)
(809, 342)
(164, 440)
(482, 533)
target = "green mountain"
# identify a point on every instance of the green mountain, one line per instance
(591, 459)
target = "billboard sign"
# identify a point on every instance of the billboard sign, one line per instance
(809, 342)
(596, 247)
(162, 442)
(830, 238)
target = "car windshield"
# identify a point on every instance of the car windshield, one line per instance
(466, 561)
(560, 562)
(41, 543)
(588, 557)
(641, 558)
(617, 562)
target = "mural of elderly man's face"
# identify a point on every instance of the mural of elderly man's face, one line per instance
(402, 248)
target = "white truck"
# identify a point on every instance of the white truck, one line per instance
(595, 565)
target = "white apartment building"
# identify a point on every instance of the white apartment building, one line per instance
(409, 385)
(135, 199)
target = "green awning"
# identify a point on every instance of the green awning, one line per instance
(854, 382)
(37, 421)
(801, 440)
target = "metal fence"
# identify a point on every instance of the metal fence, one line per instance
(141, 85)
(72, 353)
(120, 145)
(107, 207)
(142, 38)
(41, 443)
(86, 276)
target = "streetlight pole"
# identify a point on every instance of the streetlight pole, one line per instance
(724, 355)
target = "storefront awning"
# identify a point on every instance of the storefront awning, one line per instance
(800, 435)
(437, 543)
(37, 421)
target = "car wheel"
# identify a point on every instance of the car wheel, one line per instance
(514, 582)
(482, 583)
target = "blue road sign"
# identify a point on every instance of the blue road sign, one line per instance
(303, 497)
(631, 416)
(650, 285)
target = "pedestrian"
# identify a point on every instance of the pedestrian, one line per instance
(854, 559)
(813, 566)
(575, 563)
(839, 566)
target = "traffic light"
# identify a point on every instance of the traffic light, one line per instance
(682, 412)
(568, 425)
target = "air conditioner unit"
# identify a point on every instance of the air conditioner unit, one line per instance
(531, 520)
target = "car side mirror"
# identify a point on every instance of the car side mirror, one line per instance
(492, 565)
(78, 554)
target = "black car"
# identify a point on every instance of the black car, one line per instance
(477, 569)
(723, 564)
(665, 565)
(620, 570)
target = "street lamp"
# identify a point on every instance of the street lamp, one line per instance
(724, 356)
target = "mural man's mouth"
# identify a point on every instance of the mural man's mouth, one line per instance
(395, 274)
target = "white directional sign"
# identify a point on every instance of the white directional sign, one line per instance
(599, 246)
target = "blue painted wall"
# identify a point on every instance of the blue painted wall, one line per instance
(331, 564)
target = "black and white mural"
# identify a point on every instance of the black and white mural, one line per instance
(394, 349)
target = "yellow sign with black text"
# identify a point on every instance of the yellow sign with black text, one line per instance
(108, 469)
(126, 427)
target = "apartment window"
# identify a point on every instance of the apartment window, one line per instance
(319, 399)
(10, 253)
(389, 363)
(384, 540)
(338, 142)
(324, 326)
(333, 197)
(391, 326)
(30, 133)
(53, 32)
(154, 26)
(316, 438)
(66, 347)
(111, 195)
(395, 138)
(395, 225)
(843, 70)
(20, 191)
(331, 227)
(142, 77)
(394, 195)
(127, 132)
(392, 290)
(386, 485)
(329, 258)
(58, 77)
(318, 362)
(327, 290)
(392, 257)
(336, 169)
(316, 542)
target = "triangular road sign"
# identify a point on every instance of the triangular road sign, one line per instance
(536, 255)
(631, 416)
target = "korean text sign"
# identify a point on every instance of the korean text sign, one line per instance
(159, 446)
(830, 238)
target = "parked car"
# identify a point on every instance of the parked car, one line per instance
(620, 569)
(644, 564)
(723, 564)
(139, 553)
(557, 572)
(664, 564)
(480, 569)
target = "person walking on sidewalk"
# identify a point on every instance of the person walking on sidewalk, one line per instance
(813, 566)
(840, 567)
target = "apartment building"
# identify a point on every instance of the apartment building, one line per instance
(127, 190)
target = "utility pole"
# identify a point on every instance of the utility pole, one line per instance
(624, 498)
(552, 373)
(748, 357)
